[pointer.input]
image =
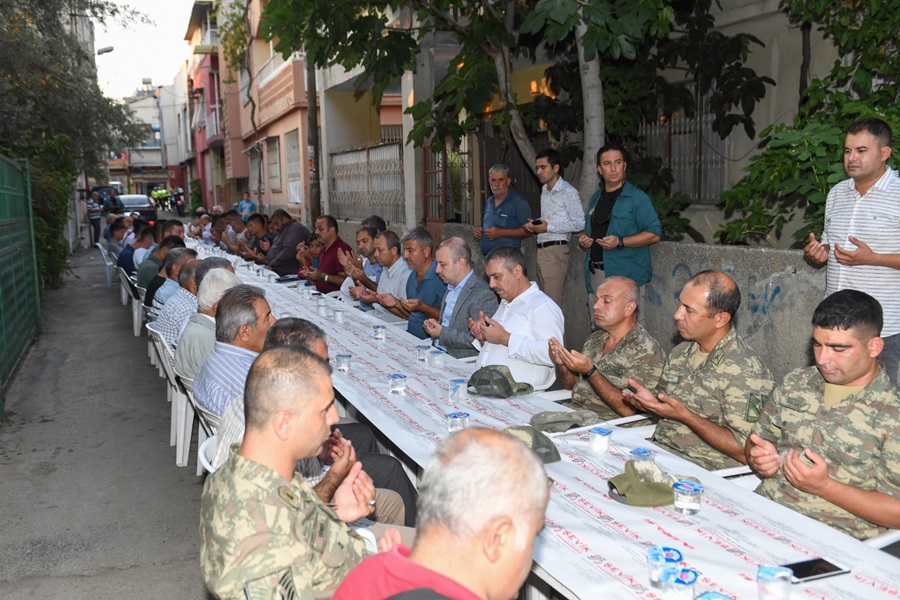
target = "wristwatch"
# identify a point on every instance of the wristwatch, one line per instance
(326, 279)
(621, 245)
(586, 376)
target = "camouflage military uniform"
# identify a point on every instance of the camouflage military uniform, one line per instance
(637, 355)
(274, 538)
(859, 438)
(728, 389)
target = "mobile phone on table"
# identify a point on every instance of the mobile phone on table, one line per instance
(816, 568)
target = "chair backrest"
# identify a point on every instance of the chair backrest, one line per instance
(126, 281)
(209, 418)
(207, 453)
(165, 354)
(104, 254)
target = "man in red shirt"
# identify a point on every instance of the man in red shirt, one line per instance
(329, 275)
(481, 503)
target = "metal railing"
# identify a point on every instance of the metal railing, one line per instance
(20, 303)
(367, 181)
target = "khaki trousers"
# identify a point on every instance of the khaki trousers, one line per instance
(553, 264)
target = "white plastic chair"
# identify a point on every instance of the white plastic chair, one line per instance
(208, 422)
(138, 310)
(182, 421)
(207, 453)
(124, 286)
(109, 264)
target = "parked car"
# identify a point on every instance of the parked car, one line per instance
(139, 203)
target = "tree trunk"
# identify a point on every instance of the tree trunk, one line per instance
(594, 134)
(312, 139)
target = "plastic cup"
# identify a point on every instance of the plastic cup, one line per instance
(322, 307)
(458, 391)
(378, 332)
(688, 495)
(342, 362)
(396, 383)
(599, 440)
(658, 559)
(642, 455)
(339, 316)
(457, 421)
(436, 359)
(678, 583)
(273, 277)
(773, 583)
(422, 353)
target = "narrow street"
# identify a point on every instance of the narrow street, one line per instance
(92, 504)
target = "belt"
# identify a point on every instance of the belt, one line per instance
(556, 243)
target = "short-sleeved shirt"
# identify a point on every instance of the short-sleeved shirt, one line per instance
(223, 376)
(430, 290)
(246, 208)
(389, 573)
(875, 220)
(393, 281)
(637, 356)
(259, 531)
(859, 438)
(330, 265)
(728, 388)
(512, 213)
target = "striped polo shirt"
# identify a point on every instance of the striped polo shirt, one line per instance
(222, 377)
(875, 220)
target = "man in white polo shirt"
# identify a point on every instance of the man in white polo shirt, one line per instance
(392, 282)
(861, 240)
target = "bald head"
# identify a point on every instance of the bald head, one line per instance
(617, 302)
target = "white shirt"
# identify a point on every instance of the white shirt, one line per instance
(875, 220)
(531, 319)
(393, 281)
(561, 209)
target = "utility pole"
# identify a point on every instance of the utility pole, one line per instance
(312, 138)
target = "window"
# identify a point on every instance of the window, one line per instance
(273, 164)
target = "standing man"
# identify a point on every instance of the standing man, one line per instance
(860, 242)
(281, 257)
(424, 289)
(505, 214)
(714, 385)
(94, 207)
(329, 275)
(828, 441)
(467, 296)
(561, 216)
(619, 349)
(394, 276)
(246, 207)
(519, 333)
(620, 225)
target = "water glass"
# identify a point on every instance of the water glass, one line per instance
(339, 316)
(773, 583)
(458, 391)
(642, 455)
(436, 359)
(658, 559)
(687, 497)
(378, 332)
(273, 277)
(599, 439)
(342, 362)
(322, 306)
(422, 353)
(396, 383)
(457, 421)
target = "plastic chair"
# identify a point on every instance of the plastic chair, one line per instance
(207, 453)
(109, 264)
(138, 310)
(182, 420)
(208, 422)
(124, 285)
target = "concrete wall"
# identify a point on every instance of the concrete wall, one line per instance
(779, 292)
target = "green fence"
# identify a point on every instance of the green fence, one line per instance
(20, 304)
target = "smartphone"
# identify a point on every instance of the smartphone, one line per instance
(537, 222)
(816, 568)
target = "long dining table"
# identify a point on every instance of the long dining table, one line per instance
(592, 545)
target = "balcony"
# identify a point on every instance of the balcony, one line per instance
(209, 43)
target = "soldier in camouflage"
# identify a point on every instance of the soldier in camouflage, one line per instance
(620, 349)
(828, 441)
(713, 384)
(263, 530)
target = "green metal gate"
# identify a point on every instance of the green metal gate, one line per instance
(20, 304)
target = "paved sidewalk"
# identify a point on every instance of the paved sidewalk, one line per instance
(91, 502)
